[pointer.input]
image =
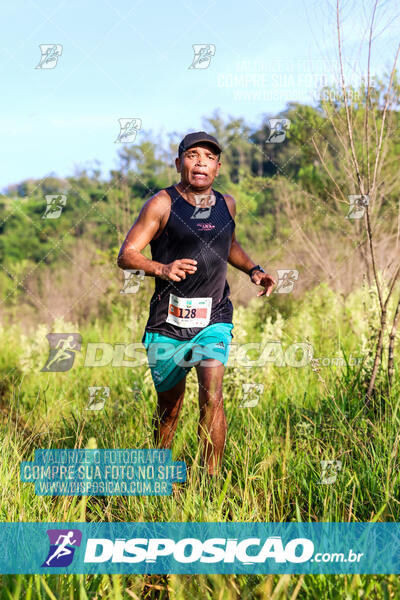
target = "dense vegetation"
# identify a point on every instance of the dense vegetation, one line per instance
(60, 275)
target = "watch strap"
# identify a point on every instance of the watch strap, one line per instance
(256, 268)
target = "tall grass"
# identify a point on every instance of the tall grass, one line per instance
(273, 455)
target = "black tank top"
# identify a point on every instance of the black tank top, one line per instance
(188, 234)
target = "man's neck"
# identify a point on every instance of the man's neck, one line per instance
(190, 195)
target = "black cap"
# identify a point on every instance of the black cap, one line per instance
(200, 136)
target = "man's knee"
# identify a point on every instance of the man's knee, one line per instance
(168, 407)
(210, 383)
(169, 402)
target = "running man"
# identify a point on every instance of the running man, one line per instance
(62, 549)
(191, 231)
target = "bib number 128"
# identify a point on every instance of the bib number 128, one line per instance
(189, 312)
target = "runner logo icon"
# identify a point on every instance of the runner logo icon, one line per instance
(63, 543)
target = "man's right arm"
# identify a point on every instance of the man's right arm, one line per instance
(140, 234)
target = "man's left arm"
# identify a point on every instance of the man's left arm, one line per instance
(242, 261)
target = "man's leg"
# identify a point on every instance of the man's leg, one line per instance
(212, 424)
(166, 416)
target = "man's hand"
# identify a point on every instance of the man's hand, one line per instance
(268, 282)
(176, 271)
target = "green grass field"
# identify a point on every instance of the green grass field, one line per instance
(272, 465)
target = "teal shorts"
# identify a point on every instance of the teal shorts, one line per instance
(170, 360)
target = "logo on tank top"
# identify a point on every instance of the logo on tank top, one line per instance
(205, 226)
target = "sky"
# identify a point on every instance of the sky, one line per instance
(132, 60)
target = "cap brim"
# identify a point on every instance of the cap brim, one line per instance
(218, 148)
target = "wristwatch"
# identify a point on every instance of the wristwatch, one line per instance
(256, 268)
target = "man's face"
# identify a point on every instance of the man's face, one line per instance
(198, 166)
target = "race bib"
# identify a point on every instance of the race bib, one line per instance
(189, 312)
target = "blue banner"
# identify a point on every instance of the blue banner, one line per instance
(194, 548)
